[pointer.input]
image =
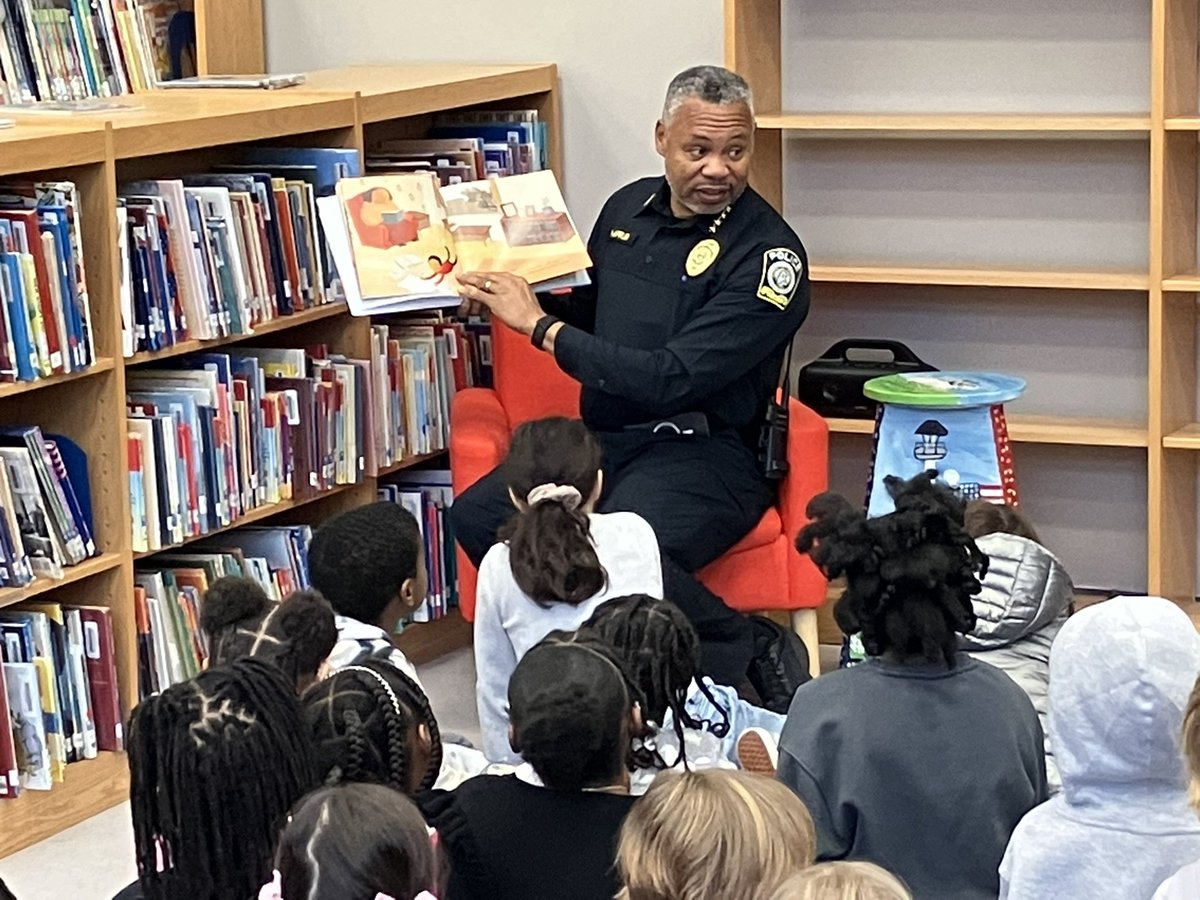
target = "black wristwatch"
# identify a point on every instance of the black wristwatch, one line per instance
(539, 330)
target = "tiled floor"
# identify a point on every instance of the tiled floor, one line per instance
(94, 860)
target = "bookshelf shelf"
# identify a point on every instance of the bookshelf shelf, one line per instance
(423, 642)
(1185, 283)
(42, 143)
(92, 784)
(1071, 431)
(283, 323)
(16, 388)
(969, 277)
(409, 462)
(105, 562)
(1186, 438)
(253, 517)
(400, 91)
(958, 126)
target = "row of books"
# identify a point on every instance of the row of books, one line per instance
(45, 506)
(58, 693)
(468, 145)
(169, 592)
(428, 496)
(212, 255)
(45, 317)
(75, 49)
(212, 436)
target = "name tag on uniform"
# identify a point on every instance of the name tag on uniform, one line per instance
(624, 237)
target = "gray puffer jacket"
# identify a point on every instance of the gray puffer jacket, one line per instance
(1024, 602)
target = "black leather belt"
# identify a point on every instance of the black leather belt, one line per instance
(690, 424)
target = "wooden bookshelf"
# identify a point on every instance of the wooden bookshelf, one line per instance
(174, 133)
(1168, 287)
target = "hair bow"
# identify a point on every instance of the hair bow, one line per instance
(566, 494)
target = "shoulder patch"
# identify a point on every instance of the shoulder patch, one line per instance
(781, 271)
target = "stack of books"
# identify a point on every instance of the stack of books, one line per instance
(169, 590)
(45, 506)
(45, 317)
(210, 256)
(58, 693)
(76, 49)
(427, 495)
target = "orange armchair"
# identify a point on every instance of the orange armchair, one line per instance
(762, 572)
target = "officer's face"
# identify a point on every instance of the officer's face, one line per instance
(706, 148)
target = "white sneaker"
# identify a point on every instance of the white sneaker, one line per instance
(758, 752)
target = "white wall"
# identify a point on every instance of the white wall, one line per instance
(1051, 204)
(614, 58)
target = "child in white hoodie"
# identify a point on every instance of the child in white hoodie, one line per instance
(1120, 674)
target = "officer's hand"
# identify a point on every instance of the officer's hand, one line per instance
(508, 296)
(472, 308)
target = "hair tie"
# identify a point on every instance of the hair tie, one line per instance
(565, 494)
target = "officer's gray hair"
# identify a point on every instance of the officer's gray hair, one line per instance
(712, 84)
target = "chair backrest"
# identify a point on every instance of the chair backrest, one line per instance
(529, 383)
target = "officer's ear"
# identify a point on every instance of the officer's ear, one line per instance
(660, 138)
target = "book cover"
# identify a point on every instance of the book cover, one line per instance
(28, 726)
(101, 662)
(10, 777)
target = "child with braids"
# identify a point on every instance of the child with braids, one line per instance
(215, 764)
(574, 715)
(920, 759)
(697, 723)
(558, 562)
(372, 723)
(356, 842)
(297, 635)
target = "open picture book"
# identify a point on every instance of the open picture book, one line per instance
(400, 241)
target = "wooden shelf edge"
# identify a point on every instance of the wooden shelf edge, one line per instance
(1186, 438)
(1064, 430)
(408, 462)
(15, 388)
(967, 277)
(254, 516)
(281, 323)
(1184, 283)
(423, 642)
(86, 569)
(964, 126)
(91, 787)
(1182, 123)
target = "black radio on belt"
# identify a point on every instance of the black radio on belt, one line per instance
(772, 442)
(832, 385)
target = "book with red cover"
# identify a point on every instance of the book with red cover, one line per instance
(101, 660)
(291, 257)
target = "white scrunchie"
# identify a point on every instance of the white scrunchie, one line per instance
(565, 494)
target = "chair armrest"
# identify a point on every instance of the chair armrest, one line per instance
(808, 465)
(479, 435)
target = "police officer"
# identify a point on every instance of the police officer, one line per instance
(698, 287)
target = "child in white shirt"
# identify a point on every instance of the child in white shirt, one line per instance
(558, 562)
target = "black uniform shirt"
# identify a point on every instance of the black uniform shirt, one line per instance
(670, 327)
